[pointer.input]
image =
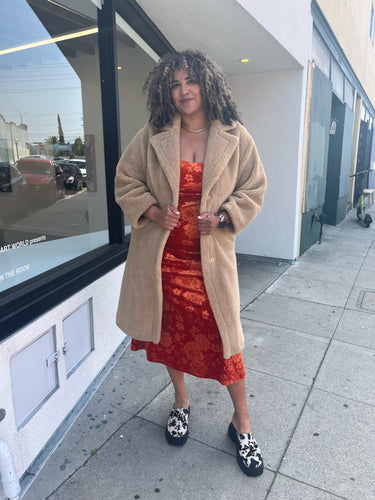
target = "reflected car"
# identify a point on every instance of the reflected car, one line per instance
(43, 157)
(13, 190)
(45, 184)
(81, 163)
(72, 176)
(60, 159)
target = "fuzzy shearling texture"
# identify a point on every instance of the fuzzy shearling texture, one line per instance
(148, 173)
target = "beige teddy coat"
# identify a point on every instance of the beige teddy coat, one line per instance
(148, 173)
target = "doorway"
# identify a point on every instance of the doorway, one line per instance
(338, 165)
(363, 159)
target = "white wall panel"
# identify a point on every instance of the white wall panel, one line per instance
(27, 442)
(289, 22)
(34, 376)
(272, 108)
(78, 336)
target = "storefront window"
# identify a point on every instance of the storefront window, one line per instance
(52, 179)
(320, 53)
(337, 79)
(349, 94)
(135, 60)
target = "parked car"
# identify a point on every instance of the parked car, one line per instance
(72, 176)
(45, 182)
(13, 190)
(81, 163)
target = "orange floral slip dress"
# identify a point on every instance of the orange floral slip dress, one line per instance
(190, 340)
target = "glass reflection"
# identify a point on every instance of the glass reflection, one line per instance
(50, 136)
(135, 60)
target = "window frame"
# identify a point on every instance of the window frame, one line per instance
(27, 301)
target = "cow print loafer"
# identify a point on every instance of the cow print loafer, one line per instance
(248, 454)
(177, 428)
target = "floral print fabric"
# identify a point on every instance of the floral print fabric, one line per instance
(190, 340)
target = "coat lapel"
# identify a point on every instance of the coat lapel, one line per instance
(166, 145)
(220, 148)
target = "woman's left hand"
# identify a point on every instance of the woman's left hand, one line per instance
(207, 223)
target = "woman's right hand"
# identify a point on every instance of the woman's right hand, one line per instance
(167, 218)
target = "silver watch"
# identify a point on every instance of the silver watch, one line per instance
(223, 221)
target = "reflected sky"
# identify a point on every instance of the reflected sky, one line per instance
(38, 83)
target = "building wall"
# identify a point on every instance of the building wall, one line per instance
(27, 442)
(345, 18)
(272, 108)
(14, 141)
(288, 22)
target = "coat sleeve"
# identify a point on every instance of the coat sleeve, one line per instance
(247, 198)
(131, 190)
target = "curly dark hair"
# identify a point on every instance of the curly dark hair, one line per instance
(215, 91)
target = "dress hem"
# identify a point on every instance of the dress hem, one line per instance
(222, 382)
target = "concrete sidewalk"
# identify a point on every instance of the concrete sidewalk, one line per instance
(310, 360)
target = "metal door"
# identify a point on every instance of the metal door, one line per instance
(363, 160)
(316, 174)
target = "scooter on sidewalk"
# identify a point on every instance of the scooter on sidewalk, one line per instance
(361, 213)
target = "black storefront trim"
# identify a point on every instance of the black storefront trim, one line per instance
(25, 302)
(142, 24)
(111, 124)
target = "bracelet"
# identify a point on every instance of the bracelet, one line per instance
(222, 222)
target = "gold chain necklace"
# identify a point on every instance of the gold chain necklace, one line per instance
(195, 131)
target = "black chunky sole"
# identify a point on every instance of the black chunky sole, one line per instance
(249, 471)
(177, 441)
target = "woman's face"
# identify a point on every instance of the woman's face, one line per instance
(186, 94)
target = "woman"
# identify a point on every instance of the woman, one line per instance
(189, 181)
